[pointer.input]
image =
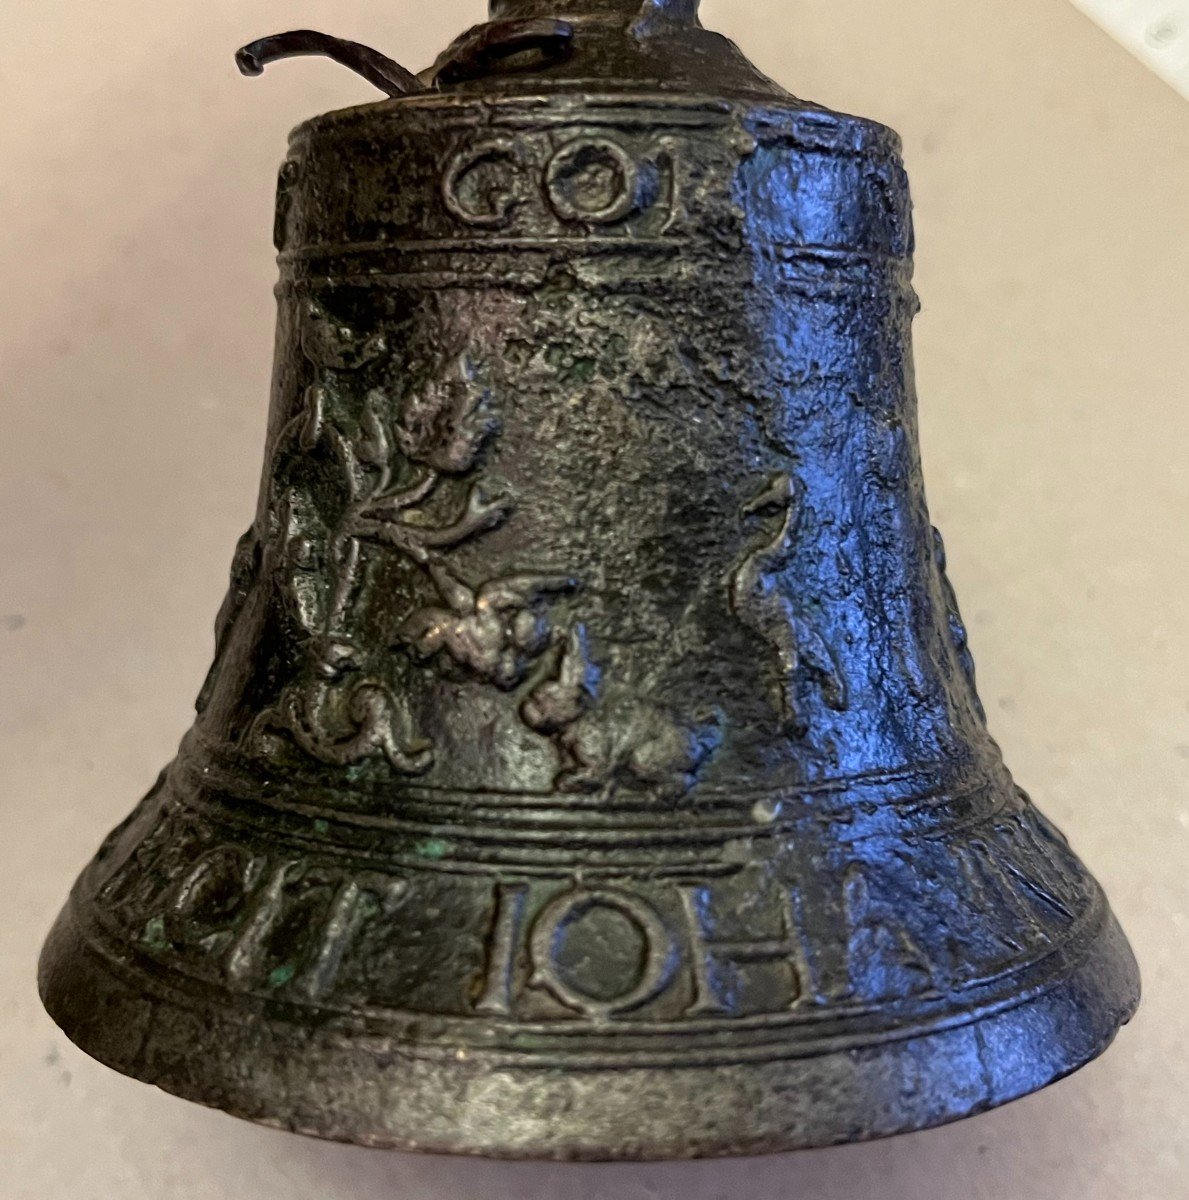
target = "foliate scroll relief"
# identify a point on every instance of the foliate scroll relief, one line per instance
(391, 462)
(766, 599)
(361, 474)
(245, 568)
(403, 469)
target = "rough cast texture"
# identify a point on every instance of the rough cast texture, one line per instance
(591, 764)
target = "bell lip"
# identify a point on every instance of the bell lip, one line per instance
(354, 1090)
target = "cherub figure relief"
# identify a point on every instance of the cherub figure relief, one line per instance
(495, 630)
(393, 465)
(438, 429)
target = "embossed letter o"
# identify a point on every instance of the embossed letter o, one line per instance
(659, 953)
(592, 180)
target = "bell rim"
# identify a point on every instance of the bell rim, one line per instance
(348, 1086)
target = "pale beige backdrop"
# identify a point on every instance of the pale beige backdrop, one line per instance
(1051, 177)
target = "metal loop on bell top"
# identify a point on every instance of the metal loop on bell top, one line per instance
(556, 43)
(378, 69)
(485, 47)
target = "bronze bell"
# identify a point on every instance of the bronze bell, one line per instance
(591, 764)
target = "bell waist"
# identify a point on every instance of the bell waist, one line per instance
(471, 828)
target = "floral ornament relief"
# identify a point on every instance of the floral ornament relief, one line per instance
(337, 711)
(392, 462)
(764, 598)
(334, 711)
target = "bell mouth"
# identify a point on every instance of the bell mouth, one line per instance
(347, 1081)
(591, 764)
(769, 993)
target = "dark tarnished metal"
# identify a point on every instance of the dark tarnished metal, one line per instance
(591, 764)
(376, 68)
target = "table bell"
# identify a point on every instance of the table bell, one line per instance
(591, 764)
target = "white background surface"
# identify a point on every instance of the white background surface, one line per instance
(1051, 177)
(1156, 31)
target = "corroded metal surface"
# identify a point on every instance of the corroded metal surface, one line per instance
(591, 763)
